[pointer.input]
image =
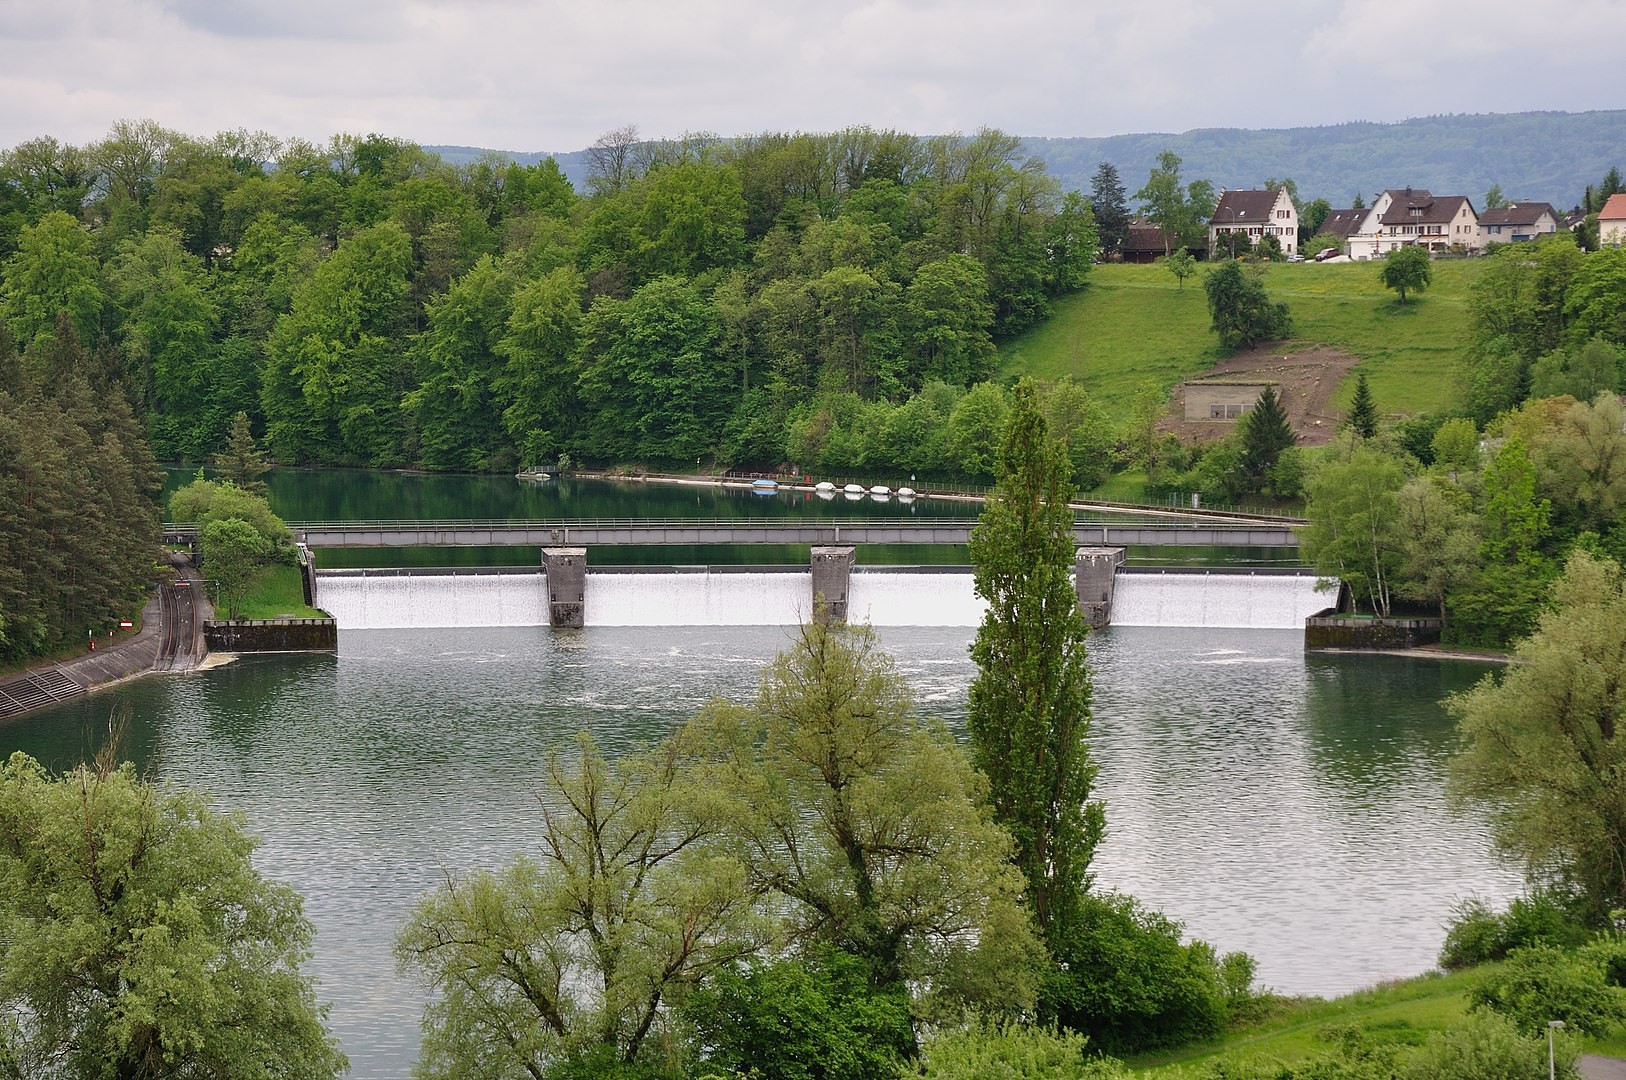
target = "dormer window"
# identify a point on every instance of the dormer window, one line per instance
(1417, 211)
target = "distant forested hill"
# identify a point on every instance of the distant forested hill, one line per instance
(1549, 156)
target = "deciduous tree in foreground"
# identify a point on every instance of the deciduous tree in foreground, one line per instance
(138, 941)
(1544, 744)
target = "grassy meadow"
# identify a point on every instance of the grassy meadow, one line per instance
(1134, 324)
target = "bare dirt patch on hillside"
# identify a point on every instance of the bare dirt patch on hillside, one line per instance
(1305, 380)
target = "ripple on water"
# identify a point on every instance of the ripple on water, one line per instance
(1287, 805)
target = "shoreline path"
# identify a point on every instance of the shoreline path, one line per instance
(170, 640)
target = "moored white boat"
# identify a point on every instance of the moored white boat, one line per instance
(824, 485)
(854, 489)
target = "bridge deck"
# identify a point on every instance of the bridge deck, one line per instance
(362, 534)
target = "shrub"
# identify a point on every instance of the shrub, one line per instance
(1125, 979)
(799, 1019)
(1011, 1052)
(1487, 1047)
(1477, 934)
(1539, 983)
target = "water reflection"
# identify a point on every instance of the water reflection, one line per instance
(1240, 797)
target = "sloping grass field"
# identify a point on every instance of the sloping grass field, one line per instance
(1134, 324)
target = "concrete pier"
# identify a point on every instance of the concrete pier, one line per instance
(832, 571)
(566, 570)
(1095, 569)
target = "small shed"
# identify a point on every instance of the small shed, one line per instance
(1222, 399)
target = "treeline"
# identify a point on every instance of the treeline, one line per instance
(78, 500)
(1472, 514)
(366, 303)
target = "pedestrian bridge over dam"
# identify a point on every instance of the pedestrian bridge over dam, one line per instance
(826, 590)
(406, 534)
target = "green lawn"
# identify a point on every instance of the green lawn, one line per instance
(1133, 324)
(1404, 1012)
(276, 593)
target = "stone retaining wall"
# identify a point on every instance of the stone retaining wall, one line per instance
(1322, 631)
(272, 635)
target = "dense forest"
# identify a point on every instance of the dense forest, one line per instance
(78, 498)
(743, 302)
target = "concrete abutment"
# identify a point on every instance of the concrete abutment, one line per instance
(1095, 570)
(566, 570)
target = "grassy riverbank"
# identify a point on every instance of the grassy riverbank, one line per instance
(276, 593)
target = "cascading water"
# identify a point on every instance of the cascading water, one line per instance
(1200, 598)
(377, 600)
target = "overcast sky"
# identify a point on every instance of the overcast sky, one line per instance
(550, 75)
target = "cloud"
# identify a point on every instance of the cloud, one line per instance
(552, 75)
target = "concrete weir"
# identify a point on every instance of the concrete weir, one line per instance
(832, 573)
(1095, 570)
(566, 570)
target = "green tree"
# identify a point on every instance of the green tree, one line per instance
(1265, 434)
(205, 501)
(1494, 199)
(233, 555)
(1181, 264)
(947, 318)
(976, 427)
(1181, 212)
(1362, 417)
(868, 825)
(1241, 310)
(1030, 701)
(53, 272)
(634, 897)
(243, 462)
(336, 369)
(1439, 542)
(813, 1017)
(1352, 532)
(1407, 269)
(1110, 210)
(1543, 745)
(538, 380)
(138, 940)
(651, 383)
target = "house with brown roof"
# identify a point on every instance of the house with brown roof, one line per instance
(1612, 221)
(1258, 214)
(1436, 222)
(1517, 223)
(1146, 241)
(1342, 224)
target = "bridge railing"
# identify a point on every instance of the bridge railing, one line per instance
(359, 525)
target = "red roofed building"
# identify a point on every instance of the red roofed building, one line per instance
(1258, 214)
(1612, 221)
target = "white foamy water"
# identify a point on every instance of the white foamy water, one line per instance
(729, 598)
(1232, 600)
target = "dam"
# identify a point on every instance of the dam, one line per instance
(892, 596)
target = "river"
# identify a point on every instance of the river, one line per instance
(1286, 804)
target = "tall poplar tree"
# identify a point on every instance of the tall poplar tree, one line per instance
(1030, 703)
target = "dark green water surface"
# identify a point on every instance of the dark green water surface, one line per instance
(1284, 804)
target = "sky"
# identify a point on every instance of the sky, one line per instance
(553, 76)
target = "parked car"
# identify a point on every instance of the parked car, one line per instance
(1295, 258)
(1327, 253)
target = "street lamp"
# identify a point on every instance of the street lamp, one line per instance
(1551, 1026)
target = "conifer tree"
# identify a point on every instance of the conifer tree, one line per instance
(1030, 702)
(1363, 412)
(1265, 434)
(1110, 209)
(244, 462)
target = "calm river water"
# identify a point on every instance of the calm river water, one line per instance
(1283, 804)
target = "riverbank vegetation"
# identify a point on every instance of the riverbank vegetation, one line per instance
(245, 551)
(78, 502)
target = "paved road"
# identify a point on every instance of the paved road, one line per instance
(170, 639)
(1594, 1067)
